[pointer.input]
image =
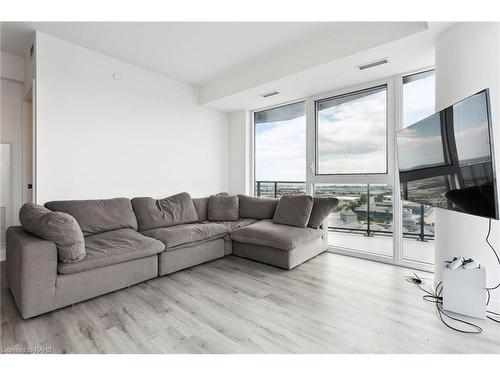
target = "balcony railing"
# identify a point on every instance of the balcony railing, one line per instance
(370, 217)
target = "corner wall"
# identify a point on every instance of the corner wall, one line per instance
(141, 135)
(239, 153)
(467, 61)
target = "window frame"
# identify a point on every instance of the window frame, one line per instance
(371, 178)
(316, 131)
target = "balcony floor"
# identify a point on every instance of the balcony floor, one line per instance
(383, 245)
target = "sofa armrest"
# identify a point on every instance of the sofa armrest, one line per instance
(31, 271)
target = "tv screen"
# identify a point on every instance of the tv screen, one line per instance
(446, 160)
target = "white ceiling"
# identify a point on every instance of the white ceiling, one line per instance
(191, 52)
(234, 63)
(406, 54)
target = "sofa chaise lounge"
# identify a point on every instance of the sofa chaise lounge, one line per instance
(99, 246)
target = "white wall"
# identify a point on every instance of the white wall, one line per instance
(141, 135)
(12, 67)
(467, 61)
(11, 129)
(239, 151)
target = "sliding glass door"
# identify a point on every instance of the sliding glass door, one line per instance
(418, 223)
(348, 149)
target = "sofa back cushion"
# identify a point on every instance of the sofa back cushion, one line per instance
(257, 208)
(293, 210)
(322, 208)
(57, 227)
(98, 215)
(155, 213)
(201, 206)
(222, 207)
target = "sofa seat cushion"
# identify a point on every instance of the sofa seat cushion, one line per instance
(117, 246)
(187, 233)
(278, 236)
(240, 223)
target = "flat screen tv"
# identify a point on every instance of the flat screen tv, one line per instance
(446, 160)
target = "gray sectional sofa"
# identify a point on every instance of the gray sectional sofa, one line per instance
(70, 251)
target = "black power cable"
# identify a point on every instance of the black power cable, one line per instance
(496, 286)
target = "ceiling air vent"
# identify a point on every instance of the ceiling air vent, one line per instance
(373, 64)
(270, 94)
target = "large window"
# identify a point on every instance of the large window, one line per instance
(352, 133)
(280, 150)
(418, 220)
(349, 138)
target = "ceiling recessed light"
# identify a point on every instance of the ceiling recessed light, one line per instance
(267, 95)
(373, 64)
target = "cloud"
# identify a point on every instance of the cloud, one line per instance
(419, 98)
(280, 151)
(352, 136)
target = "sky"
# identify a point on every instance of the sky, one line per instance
(419, 97)
(280, 150)
(352, 136)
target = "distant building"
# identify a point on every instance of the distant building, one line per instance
(348, 217)
(379, 211)
(410, 224)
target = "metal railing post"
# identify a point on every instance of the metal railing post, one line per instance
(368, 229)
(422, 227)
(258, 188)
(275, 189)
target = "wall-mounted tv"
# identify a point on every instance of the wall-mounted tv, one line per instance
(446, 160)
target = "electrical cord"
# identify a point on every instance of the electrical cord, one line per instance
(494, 252)
(496, 286)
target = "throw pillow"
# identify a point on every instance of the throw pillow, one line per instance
(58, 227)
(293, 210)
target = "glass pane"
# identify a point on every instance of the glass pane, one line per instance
(280, 147)
(419, 97)
(276, 189)
(417, 238)
(417, 219)
(362, 221)
(352, 133)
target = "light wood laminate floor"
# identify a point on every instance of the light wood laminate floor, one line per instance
(330, 304)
